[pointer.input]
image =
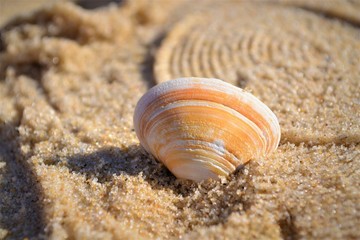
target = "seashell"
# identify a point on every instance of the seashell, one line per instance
(201, 128)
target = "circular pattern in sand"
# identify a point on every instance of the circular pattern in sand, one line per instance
(202, 46)
(289, 64)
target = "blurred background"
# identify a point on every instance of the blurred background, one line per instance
(11, 8)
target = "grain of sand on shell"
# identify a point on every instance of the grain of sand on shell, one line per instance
(71, 166)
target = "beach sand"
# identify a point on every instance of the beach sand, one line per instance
(71, 166)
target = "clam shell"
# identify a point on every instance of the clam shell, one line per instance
(201, 128)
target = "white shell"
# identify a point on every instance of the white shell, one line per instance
(201, 128)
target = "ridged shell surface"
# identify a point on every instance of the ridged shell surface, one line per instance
(201, 128)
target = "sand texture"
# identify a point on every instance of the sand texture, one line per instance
(71, 166)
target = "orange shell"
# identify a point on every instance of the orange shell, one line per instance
(201, 128)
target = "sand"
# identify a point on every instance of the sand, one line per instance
(71, 166)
